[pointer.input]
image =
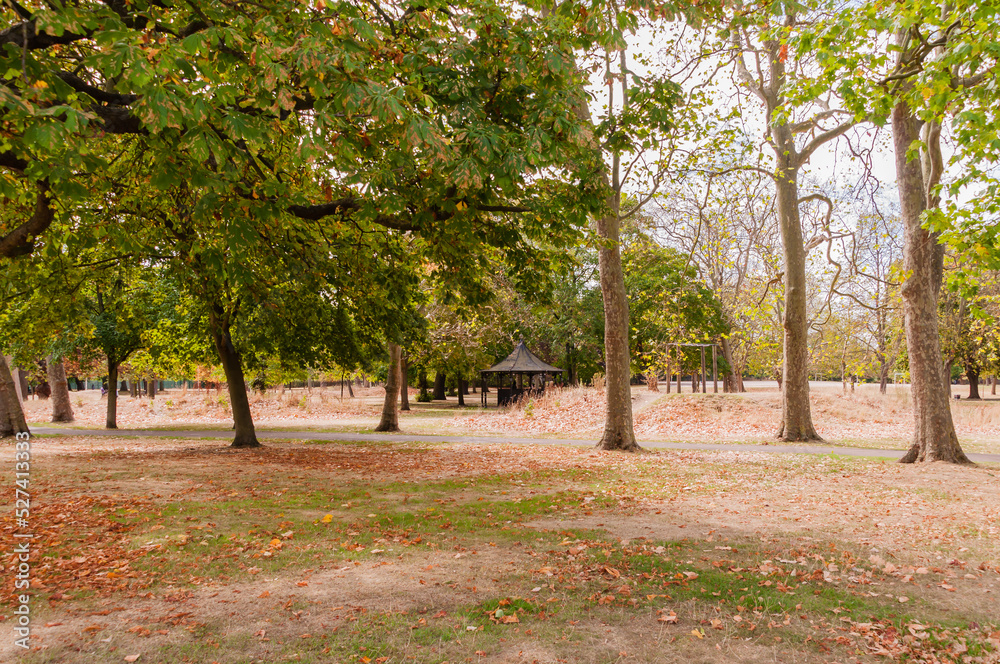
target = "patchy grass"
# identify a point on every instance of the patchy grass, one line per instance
(184, 551)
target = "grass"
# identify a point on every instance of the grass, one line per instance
(553, 576)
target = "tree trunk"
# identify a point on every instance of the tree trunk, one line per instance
(461, 391)
(796, 415)
(422, 381)
(151, 387)
(439, 387)
(993, 385)
(111, 418)
(730, 381)
(618, 430)
(404, 383)
(11, 413)
(934, 437)
(62, 409)
(570, 374)
(973, 376)
(232, 365)
(883, 375)
(390, 416)
(652, 381)
(6, 427)
(22, 383)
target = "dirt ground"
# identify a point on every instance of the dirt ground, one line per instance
(159, 550)
(862, 418)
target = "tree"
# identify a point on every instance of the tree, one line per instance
(390, 416)
(632, 129)
(930, 65)
(114, 68)
(453, 127)
(727, 225)
(669, 304)
(874, 261)
(969, 313)
(120, 312)
(11, 414)
(62, 409)
(764, 63)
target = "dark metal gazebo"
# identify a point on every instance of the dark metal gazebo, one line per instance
(508, 375)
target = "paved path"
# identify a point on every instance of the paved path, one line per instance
(486, 440)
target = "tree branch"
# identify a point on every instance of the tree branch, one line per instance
(21, 240)
(822, 138)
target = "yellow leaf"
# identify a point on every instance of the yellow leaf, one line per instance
(698, 633)
(327, 518)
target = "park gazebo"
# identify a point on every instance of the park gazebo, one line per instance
(509, 375)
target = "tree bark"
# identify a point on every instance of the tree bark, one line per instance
(6, 427)
(461, 391)
(404, 383)
(111, 417)
(151, 387)
(62, 409)
(796, 414)
(22, 384)
(11, 413)
(973, 376)
(439, 387)
(390, 416)
(618, 428)
(934, 437)
(731, 382)
(232, 365)
(422, 381)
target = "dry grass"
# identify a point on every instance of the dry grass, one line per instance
(861, 418)
(212, 407)
(392, 552)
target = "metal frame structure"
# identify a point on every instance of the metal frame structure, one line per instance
(704, 381)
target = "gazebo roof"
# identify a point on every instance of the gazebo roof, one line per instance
(522, 360)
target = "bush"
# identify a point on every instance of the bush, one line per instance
(424, 397)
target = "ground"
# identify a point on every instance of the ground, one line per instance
(169, 550)
(861, 418)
